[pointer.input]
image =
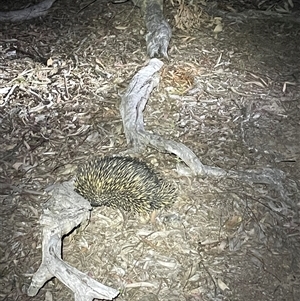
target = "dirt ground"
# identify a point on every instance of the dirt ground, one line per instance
(231, 95)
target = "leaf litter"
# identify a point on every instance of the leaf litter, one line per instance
(223, 239)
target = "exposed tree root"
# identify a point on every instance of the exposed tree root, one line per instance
(64, 212)
(131, 108)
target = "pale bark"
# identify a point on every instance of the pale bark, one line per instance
(65, 211)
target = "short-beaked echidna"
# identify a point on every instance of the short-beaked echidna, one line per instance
(123, 182)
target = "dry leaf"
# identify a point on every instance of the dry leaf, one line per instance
(222, 285)
(233, 222)
(49, 62)
(218, 28)
(17, 165)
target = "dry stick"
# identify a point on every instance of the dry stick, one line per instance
(64, 211)
(132, 105)
(11, 91)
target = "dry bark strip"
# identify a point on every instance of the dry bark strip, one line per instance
(34, 11)
(64, 212)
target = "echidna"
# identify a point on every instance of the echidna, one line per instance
(123, 182)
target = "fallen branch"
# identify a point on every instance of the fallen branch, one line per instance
(28, 13)
(132, 105)
(64, 212)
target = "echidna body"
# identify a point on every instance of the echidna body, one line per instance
(123, 182)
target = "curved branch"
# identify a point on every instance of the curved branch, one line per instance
(132, 105)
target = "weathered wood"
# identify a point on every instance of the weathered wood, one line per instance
(65, 211)
(132, 105)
